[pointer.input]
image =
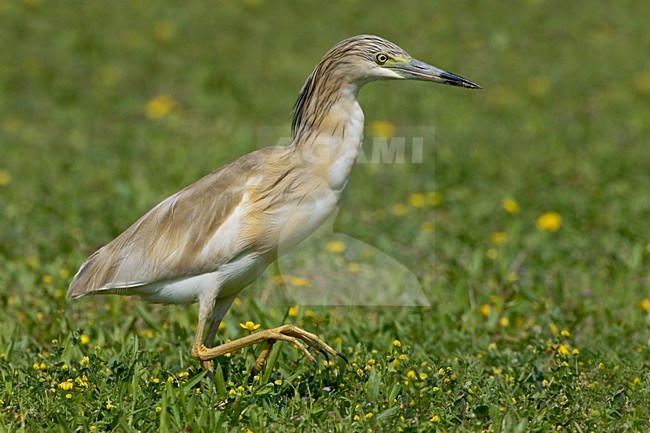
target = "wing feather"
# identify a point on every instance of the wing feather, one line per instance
(166, 243)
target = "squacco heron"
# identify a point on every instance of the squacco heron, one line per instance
(210, 240)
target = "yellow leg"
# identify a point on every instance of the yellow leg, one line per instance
(261, 360)
(289, 333)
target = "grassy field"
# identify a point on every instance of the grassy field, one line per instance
(525, 227)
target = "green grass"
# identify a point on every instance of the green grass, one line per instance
(544, 331)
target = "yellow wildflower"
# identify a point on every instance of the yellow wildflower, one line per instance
(435, 418)
(397, 343)
(159, 107)
(158, 409)
(84, 339)
(278, 382)
(423, 376)
(109, 406)
(147, 333)
(484, 310)
(68, 396)
(164, 31)
(249, 326)
(504, 322)
(510, 206)
(47, 279)
(499, 238)
(353, 267)
(417, 200)
(66, 385)
(85, 360)
(383, 129)
(299, 281)
(411, 375)
(335, 247)
(369, 415)
(563, 350)
(565, 333)
(645, 304)
(293, 311)
(399, 209)
(5, 178)
(549, 221)
(82, 381)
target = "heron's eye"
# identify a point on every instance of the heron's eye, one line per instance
(381, 58)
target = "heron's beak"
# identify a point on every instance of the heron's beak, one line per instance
(416, 70)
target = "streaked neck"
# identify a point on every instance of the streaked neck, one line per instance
(330, 135)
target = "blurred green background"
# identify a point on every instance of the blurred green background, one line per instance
(106, 108)
(561, 124)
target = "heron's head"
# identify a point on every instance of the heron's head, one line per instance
(365, 58)
(356, 61)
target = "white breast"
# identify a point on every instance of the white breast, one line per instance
(228, 280)
(345, 145)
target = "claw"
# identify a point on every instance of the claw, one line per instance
(251, 377)
(324, 353)
(342, 357)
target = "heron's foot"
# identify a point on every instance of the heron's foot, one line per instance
(198, 353)
(290, 333)
(261, 360)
